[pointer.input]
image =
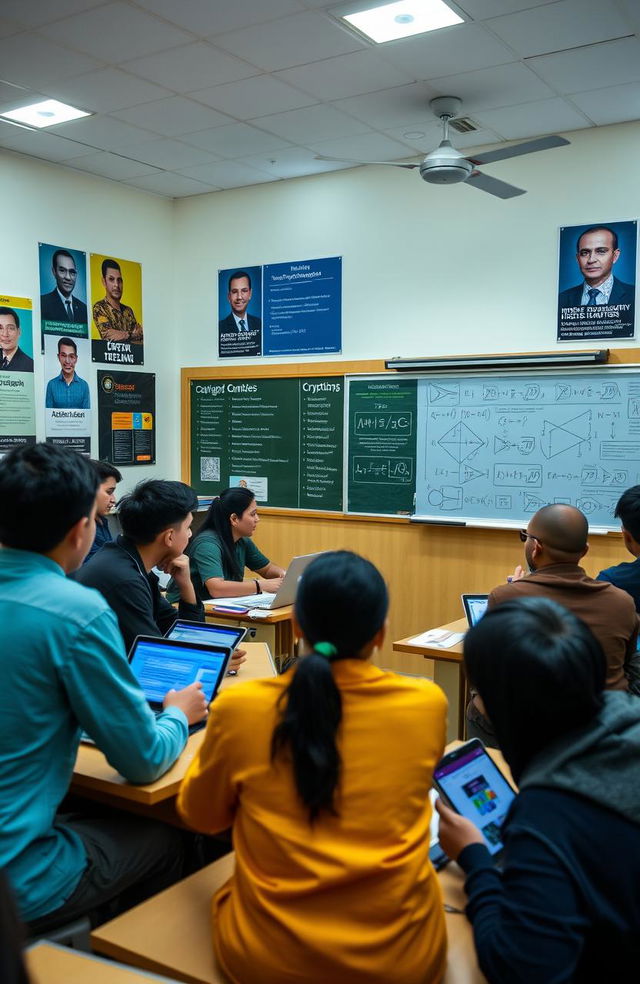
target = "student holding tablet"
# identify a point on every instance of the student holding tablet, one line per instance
(324, 773)
(223, 547)
(566, 907)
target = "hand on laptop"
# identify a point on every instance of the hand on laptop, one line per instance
(190, 700)
(272, 584)
(238, 657)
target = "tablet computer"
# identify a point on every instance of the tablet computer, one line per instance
(207, 633)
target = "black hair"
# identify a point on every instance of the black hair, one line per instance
(105, 470)
(341, 604)
(67, 341)
(62, 252)
(14, 315)
(540, 672)
(628, 511)
(154, 506)
(44, 491)
(599, 228)
(238, 276)
(12, 969)
(109, 265)
(234, 501)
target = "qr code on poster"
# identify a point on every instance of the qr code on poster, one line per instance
(209, 469)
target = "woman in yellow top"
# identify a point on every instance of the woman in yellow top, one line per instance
(324, 774)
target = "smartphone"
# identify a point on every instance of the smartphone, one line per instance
(471, 783)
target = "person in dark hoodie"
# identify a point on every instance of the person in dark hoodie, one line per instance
(566, 906)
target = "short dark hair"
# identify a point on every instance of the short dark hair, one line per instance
(8, 310)
(628, 511)
(237, 276)
(105, 470)
(154, 506)
(110, 265)
(44, 490)
(62, 252)
(67, 341)
(599, 228)
(540, 672)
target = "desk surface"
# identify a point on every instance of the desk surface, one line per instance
(92, 772)
(48, 963)
(452, 655)
(271, 614)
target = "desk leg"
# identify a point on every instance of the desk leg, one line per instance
(450, 678)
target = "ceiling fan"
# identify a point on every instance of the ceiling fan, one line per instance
(446, 165)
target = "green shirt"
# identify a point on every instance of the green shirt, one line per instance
(206, 561)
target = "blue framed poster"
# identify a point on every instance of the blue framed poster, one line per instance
(302, 307)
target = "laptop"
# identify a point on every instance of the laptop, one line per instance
(207, 633)
(287, 593)
(160, 665)
(475, 605)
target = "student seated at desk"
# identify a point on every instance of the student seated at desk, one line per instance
(324, 773)
(566, 907)
(64, 669)
(108, 478)
(627, 576)
(222, 548)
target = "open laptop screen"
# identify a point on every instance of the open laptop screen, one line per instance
(160, 665)
(206, 632)
(474, 607)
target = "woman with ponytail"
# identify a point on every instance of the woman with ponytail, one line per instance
(222, 548)
(324, 774)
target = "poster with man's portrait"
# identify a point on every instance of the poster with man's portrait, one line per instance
(240, 312)
(63, 291)
(67, 398)
(597, 281)
(117, 335)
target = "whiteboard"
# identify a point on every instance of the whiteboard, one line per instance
(497, 447)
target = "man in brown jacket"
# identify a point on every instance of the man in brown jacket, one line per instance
(555, 542)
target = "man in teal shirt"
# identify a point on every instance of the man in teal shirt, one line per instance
(64, 669)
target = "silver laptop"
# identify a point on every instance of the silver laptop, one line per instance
(475, 605)
(287, 593)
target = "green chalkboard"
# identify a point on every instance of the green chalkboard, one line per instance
(282, 437)
(381, 459)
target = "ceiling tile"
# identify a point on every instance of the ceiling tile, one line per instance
(206, 18)
(28, 59)
(38, 143)
(290, 41)
(8, 27)
(461, 48)
(171, 117)
(16, 96)
(363, 147)
(102, 132)
(568, 24)
(314, 123)
(237, 140)
(617, 104)
(347, 75)
(105, 90)
(34, 13)
(483, 9)
(190, 67)
(433, 135)
(532, 119)
(170, 154)
(506, 85)
(294, 163)
(115, 32)
(229, 174)
(575, 71)
(405, 105)
(170, 185)
(112, 166)
(251, 98)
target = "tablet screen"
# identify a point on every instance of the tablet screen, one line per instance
(160, 667)
(211, 635)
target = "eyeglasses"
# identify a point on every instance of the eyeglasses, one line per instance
(524, 536)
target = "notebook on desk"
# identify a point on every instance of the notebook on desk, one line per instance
(287, 593)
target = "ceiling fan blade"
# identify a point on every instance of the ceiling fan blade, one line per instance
(517, 150)
(498, 188)
(348, 160)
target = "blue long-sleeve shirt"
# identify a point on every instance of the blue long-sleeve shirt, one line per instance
(63, 669)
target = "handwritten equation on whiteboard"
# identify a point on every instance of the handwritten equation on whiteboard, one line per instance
(500, 447)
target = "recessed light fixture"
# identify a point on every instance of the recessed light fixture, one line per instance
(413, 135)
(44, 114)
(401, 19)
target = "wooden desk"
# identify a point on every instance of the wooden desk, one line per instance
(48, 963)
(448, 673)
(276, 629)
(95, 778)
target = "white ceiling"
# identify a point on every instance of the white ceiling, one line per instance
(193, 96)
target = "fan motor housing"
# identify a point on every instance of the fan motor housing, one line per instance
(444, 170)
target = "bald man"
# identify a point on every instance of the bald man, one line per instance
(555, 541)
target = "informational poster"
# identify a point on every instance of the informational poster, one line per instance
(240, 312)
(17, 401)
(127, 417)
(597, 281)
(117, 334)
(67, 398)
(280, 309)
(63, 291)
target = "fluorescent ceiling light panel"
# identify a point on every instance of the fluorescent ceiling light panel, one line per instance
(402, 19)
(43, 114)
